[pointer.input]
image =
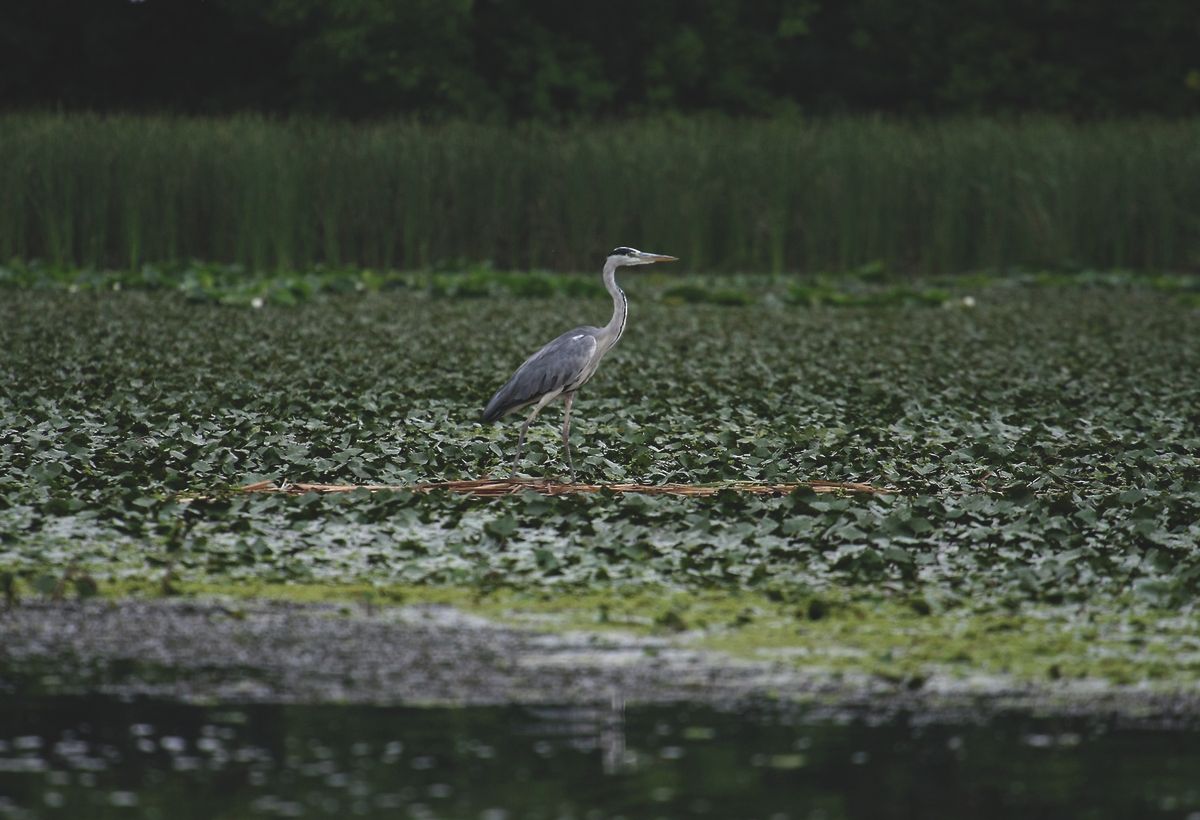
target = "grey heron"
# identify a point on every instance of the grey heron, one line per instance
(564, 365)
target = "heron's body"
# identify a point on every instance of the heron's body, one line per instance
(559, 368)
(564, 365)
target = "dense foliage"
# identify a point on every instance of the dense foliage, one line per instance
(549, 59)
(1042, 443)
(723, 195)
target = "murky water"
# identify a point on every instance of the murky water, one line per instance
(99, 757)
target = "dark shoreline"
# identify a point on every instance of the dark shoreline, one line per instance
(254, 651)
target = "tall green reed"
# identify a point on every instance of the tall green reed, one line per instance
(779, 195)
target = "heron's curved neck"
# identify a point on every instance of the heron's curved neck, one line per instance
(611, 332)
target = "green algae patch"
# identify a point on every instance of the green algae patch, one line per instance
(894, 643)
(857, 633)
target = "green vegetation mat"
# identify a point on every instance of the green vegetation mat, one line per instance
(1043, 442)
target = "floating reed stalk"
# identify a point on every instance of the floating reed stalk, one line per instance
(494, 487)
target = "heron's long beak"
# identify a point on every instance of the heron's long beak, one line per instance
(656, 257)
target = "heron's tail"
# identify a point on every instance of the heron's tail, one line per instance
(515, 394)
(496, 408)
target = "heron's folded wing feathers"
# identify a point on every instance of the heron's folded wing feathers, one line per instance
(552, 368)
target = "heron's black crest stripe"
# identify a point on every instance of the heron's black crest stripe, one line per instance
(624, 315)
(622, 252)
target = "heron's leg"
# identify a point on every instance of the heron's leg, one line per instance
(537, 408)
(521, 439)
(568, 400)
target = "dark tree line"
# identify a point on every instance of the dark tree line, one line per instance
(556, 59)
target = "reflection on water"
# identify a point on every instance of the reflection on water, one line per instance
(99, 757)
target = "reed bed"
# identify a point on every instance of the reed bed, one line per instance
(726, 195)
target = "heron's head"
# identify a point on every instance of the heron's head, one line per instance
(632, 256)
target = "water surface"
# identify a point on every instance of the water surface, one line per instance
(101, 757)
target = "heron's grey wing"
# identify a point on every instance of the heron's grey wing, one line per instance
(552, 368)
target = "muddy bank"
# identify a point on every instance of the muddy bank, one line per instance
(280, 652)
(286, 652)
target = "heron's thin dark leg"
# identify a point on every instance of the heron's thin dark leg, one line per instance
(568, 400)
(521, 439)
